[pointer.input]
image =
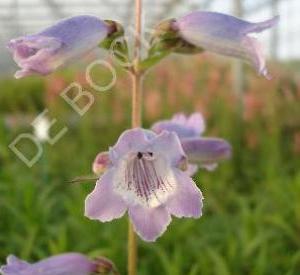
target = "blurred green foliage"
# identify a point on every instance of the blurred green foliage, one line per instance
(251, 220)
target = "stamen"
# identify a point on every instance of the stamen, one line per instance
(139, 155)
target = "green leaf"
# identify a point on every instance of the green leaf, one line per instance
(153, 60)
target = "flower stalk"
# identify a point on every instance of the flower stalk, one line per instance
(136, 121)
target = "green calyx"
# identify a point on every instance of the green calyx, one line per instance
(165, 40)
(166, 36)
(115, 30)
(115, 41)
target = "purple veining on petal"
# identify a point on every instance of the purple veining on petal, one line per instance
(145, 173)
(226, 35)
(145, 178)
(141, 177)
(44, 52)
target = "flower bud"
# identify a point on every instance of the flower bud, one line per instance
(66, 41)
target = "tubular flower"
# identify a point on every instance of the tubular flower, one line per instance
(203, 152)
(44, 52)
(226, 35)
(64, 264)
(145, 177)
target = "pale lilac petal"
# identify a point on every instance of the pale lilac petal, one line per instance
(103, 203)
(187, 201)
(14, 266)
(193, 122)
(180, 130)
(149, 223)
(191, 169)
(24, 72)
(226, 35)
(210, 167)
(184, 126)
(101, 163)
(144, 176)
(206, 151)
(256, 56)
(168, 144)
(67, 40)
(132, 140)
(179, 118)
(64, 264)
(197, 122)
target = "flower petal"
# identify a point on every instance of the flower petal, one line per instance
(183, 126)
(168, 144)
(63, 264)
(167, 125)
(14, 266)
(226, 35)
(149, 223)
(78, 31)
(103, 204)
(101, 163)
(44, 52)
(67, 263)
(191, 169)
(206, 151)
(196, 121)
(130, 141)
(187, 201)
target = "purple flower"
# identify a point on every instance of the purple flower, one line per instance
(183, 126)
(203, 152)
(64, 264)
(226, 35)
(145, 178)
(44, 52)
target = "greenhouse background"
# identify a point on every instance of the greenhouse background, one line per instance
(251, 218)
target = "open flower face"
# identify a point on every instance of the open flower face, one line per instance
(64, 264)
(226, 35)
(145, 178)
(44, 52)
(200, 152)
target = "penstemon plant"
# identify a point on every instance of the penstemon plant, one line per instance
(148, 172)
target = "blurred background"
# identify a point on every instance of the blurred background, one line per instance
(251, 221)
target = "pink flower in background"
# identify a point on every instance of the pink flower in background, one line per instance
(226, 35)
(145, 178)
(64, 264)
(200, 152)
(46, 51)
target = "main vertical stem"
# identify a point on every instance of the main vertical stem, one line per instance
(137, 78)
(136, 121)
